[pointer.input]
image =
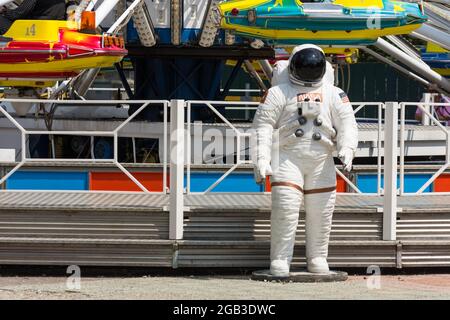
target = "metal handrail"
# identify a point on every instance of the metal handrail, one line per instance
(239, 136)
(113, 133)
(360, 106)
(252, 105)
(402, 138)
(24, 158)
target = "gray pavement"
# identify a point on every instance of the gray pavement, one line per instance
(225, 287)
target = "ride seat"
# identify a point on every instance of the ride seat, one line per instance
(5, 39)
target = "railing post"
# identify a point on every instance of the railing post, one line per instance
(427, 98)
(176, 158)
(390, 171)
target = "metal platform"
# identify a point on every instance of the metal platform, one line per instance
(301, 276)
(230, 202)
(420, 140)
(220, 230)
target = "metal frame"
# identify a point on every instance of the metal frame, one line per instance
(114, 134)
(239, 136)
(102, 11)
(179, 153)
(435, 121)
(380, 106)
(252, 106)
(226, 88)
(418, 66)
(125, 17)
(123, 79)
(390, 172)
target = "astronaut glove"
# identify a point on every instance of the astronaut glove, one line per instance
(346, 157)
(261, 170)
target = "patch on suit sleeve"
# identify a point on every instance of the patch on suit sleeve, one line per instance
(344, 97)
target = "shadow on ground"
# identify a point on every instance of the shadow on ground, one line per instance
(113, 272)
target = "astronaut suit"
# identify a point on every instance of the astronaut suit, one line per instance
(298, 125)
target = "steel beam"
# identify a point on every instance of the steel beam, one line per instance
(432, 34)
(390, 171)
(411, 62)
(219, 52)
(176, 156)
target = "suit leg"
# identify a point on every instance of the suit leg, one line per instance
(286, 199)
(319, 207)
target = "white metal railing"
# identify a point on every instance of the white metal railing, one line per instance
(432, 116)
(180, 155)
(238, 135)
(390, 206)
(359, 106)
(248, 105)
(113, 133)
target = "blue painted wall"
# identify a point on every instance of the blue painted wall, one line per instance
(40, 180)
(413, 182)
(235, 182)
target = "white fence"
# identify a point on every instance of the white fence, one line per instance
(384, 135)
(24, 158)
(390, 145)
(239, 136)
(428, 111)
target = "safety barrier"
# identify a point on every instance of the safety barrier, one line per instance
(428, 111)
(113, 133)
(238, 136)
(358, 106)
(179, 157)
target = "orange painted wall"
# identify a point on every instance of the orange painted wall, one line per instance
(267, 186)
(340, 184)
(442, 183)
(118, 181)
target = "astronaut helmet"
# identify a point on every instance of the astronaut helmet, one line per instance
(307, 66)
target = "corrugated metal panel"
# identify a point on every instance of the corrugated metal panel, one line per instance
(109, 201)
(220, 202)
(425, 253)
(222, 230)
(256, 226)
(262, 202)
(353, 254)
(84, 253)
(257, 253)
(82, 224)
(429, 203)
(424, 226)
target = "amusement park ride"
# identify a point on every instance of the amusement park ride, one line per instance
(196, 36)
(322, 22)
(42, 51)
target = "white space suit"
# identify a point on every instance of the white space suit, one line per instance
(302, 166)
